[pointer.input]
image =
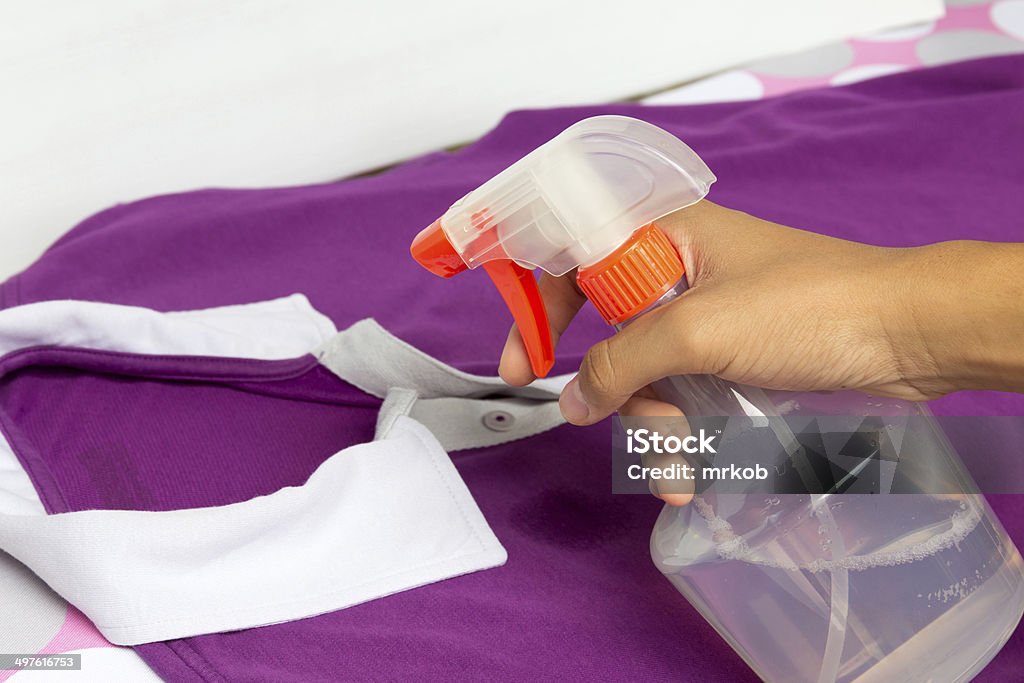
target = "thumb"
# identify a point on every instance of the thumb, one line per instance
(661, 344)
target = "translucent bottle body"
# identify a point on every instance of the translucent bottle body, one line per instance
(830, 588)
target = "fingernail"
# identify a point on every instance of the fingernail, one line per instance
(574, 408)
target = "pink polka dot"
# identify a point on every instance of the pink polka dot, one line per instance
(866, 52)
(970, 17)
(778, 85)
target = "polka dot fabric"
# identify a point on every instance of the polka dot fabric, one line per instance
(970, 29)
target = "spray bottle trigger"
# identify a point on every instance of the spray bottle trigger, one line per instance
(522, 296)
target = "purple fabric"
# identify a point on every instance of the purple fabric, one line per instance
(908, 159)
(83, 432)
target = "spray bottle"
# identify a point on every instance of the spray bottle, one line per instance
(805, 587)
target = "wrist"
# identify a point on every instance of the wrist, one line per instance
(961, 317)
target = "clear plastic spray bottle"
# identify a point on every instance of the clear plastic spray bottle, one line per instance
(817, 587)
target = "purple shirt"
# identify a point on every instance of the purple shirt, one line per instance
(903, 160)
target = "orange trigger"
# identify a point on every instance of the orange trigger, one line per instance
(522, 296)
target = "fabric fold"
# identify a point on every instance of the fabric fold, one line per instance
(373, 519)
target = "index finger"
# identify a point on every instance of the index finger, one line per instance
(562, 299)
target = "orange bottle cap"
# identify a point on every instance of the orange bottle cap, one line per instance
(632, 277)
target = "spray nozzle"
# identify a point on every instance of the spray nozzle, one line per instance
(575, 202)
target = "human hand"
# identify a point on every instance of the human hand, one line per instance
(778, 308)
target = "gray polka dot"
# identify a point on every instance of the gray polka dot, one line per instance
(820, 61)
(28, 602)
(952, 46)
